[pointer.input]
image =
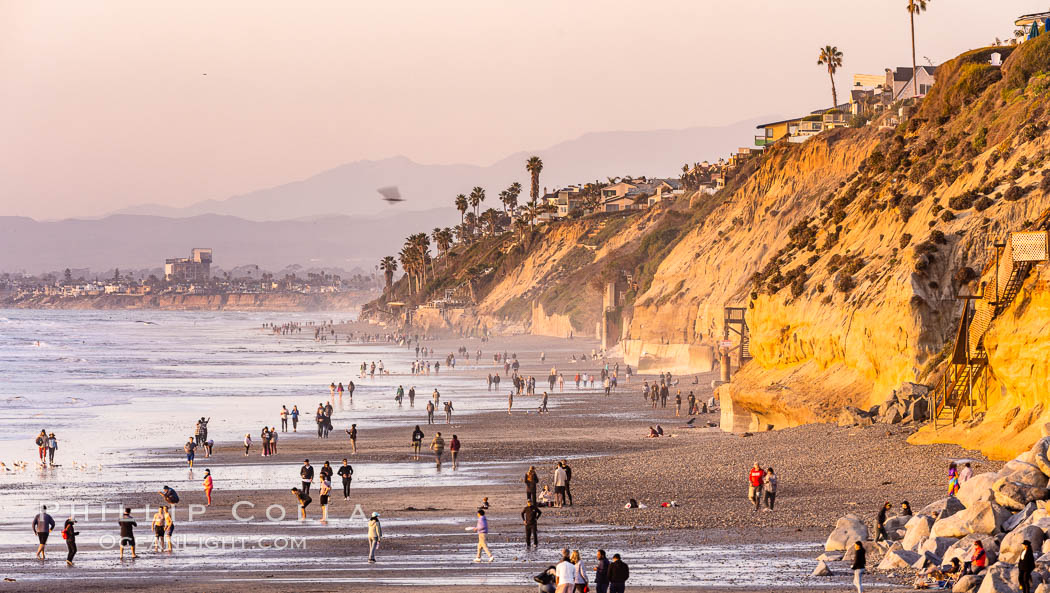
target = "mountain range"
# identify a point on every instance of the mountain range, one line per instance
(336, 217)
(350, 189)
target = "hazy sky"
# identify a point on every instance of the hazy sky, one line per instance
(106, 104)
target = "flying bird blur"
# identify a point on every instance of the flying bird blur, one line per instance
(391, 194)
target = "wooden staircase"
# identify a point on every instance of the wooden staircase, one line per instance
(1014, 260)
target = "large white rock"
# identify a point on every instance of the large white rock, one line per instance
(821, 570)
(1000, 578)
(981, 518)
(1019, 517)
(977, 489)
(943, 508)
(895, 524)
(968, 584)
(1039, 452)
(938, 546)
(916, 530)
(848, 530)
(1015, 495)
(898, 560)
(1025, 473)
(1012, 545)
(963, 549)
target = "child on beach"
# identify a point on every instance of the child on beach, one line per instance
(189, 448)
(70, 534)
(417, 442)
(453, 447)
(208, 485)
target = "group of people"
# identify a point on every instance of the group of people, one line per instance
(46, 445)
(43, 524)
(762, 486)
(561, 478)
(306, 475)
(570, 575)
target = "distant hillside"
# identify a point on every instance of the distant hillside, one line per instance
(351, 189)
(127, 241)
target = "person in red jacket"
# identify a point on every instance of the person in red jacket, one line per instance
(754, 481)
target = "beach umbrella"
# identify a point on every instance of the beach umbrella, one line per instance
(1034, 31)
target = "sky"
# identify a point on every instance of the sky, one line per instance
(109, 104)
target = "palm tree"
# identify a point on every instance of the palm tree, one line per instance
(831, 57)
(461, 205)
(914, 8)
(534, 165)
(490, 218)
(389, 265)
(443, 240)
(472, 223)
(509, 197)
(522, 225)
(477, 196)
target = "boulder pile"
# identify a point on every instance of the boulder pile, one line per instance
(1000, 509)
(906, 405)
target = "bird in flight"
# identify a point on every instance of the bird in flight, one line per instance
(391, 194)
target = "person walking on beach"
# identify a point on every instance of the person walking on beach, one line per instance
(579, 572)
(303, 499)
(453, 447)
(601, 573)
(247, 443)
(438, 447)
(189, 448)
(375, 535)
(264, 436)
(482, 529)
(417, 442)
(43, 524)
(769, 484)
(295, 418)
(754, 484)
(430, 412)
(399, 396)
(158, 524)
(52, 446)
(326, 491)
(531, 480)
(127, 533)
(209, 484)
(559, 485)
(273, 440)
(568, 481)
(859, 564)
(510, 402)
(412, 396)
(448, 412)
(618, 574)
(41, 445)
(284, 418)
(565, 574)
(307, 475)
(437, 397)
(169, 525)
(530, 516)
(70, 534)
(880, 523)
(346, 472)
(352, 433)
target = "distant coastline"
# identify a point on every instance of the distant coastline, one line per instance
(276, 301)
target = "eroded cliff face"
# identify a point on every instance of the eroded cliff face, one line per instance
(848, 252)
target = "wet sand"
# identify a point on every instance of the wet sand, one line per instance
(712, 541)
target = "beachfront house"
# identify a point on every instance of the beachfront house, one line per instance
(902, 81)
(775, 130)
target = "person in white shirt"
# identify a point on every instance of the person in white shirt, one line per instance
(565, 574)
(966, 473)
